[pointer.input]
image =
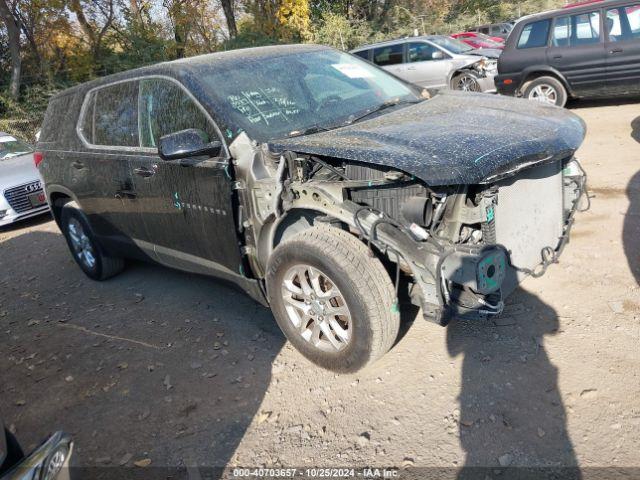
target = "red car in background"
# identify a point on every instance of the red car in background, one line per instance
(479, 40)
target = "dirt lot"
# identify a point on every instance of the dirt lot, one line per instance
(183, 370)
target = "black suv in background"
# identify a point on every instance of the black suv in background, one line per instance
(590, 50)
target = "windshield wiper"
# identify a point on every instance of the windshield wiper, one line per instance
(383, 106)
(308, 131)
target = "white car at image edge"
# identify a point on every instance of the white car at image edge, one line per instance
(22, 194)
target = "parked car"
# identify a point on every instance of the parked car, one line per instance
(433, 62)
(50, 461)
(478, 40)
(585, 51)
(500, 30)
(306, 175)
(22, 194)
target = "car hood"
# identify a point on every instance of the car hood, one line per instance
(492, 53)
(17, 170)
(454, 138)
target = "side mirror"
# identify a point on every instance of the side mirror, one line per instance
(188, 143)
(437, 55)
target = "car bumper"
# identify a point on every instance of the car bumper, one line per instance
(487, 84)
(508, 84)
(10, 216)
(53, 457)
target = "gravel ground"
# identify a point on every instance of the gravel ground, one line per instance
(176, 369)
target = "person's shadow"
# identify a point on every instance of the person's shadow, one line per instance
(511, 412)
(631, 229)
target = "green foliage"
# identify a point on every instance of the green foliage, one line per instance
(58, 50)
(340, 32)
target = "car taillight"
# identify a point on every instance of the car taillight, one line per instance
(37, 158)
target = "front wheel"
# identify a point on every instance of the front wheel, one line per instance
(334, 302)
(466, 82)
(547, 90)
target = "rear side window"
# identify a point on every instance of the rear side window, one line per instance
(363, 54)
(111, 116)
(166, 108)
(389, 55)
(571, 31)
(535, 34)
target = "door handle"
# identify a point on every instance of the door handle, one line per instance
(77, 165)
(121, 194)
(616, 50)
(144, 172)
(557, 57)
(411, 68)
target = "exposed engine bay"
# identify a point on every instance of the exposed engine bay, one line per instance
(454, 250)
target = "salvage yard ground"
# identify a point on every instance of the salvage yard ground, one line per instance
(183, 370)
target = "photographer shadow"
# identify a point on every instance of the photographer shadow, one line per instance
(511, 411)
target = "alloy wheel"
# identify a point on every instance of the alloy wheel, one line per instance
(316, 308)
(82, 246)
(467, 83)
(544, 94)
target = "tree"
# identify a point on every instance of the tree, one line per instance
(95, 19)
(13, 34)
(228, 8)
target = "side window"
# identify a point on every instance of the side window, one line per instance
(389, 55)
(363, 54)
(421, 52)
(534, 34)
(582, 29)
(88, 119)
(166, 108)
(484, 30)
(111, 116)
(613, 25)
(585, 28)
(623, 23)
(633, 18)
(562, 32)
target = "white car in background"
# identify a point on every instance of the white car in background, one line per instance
(22, 193)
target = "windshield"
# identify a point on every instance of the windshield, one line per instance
(11, 147)
(451, 44)
(287, 95)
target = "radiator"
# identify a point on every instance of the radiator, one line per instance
(529, 216)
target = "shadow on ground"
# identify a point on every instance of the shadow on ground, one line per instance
(602, 102)
(631, 229)
(510, 372)
(152, 364)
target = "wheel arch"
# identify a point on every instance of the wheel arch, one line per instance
(59, 196)
(531, 73)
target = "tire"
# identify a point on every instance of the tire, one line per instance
(466, 82)
(85, 249)
(342, 265)
(547, 90)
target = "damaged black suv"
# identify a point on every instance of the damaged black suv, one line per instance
(320, 184)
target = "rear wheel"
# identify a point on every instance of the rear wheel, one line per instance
(466, 82)
(86, 250)
(333, 301)
(548, 90)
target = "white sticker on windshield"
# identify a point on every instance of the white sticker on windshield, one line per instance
(352, 70)
(8, 138)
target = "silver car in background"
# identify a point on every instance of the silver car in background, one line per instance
(434, 62)
(20, 185)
